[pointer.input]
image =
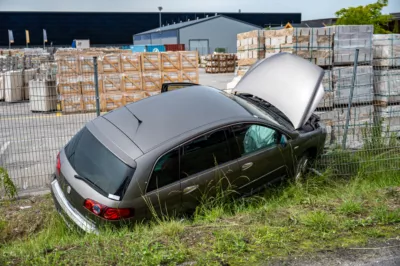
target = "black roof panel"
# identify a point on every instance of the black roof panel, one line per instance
(173, 113)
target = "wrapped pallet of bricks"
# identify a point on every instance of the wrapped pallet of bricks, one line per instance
(43, 97)
(313, 44)
(349, 38)
(29, 74)
(13, 85)
(342, 85)
(389, 117)
(386, 86)
(250, 47)
(362, 120)
(1, 87)
(220, 63)
(386, 50)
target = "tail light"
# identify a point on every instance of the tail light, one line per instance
(108, 213)
(58, 164)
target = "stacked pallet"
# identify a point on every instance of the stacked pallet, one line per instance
(220, 63)
(314, 44)
(250, 47)
(387, 82)
(348, 39)
(123, 77)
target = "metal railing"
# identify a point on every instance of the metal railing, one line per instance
(44, 104)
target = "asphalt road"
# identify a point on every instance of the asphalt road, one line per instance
(29, 142)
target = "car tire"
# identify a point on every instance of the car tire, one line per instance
(301, 168)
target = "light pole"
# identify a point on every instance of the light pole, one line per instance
(160, 9)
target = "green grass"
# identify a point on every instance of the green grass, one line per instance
(322, 213)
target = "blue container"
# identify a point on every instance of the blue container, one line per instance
(155, 48)
(138, 48)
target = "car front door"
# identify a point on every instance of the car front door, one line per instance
(206, 168)
(260, 156)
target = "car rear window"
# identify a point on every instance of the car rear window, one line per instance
(93, 161)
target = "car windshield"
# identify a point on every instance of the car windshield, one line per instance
(97, 165)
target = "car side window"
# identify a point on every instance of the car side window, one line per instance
(204, 153)
(252, 137)
(166, 171)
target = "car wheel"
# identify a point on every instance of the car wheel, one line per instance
(301, 168)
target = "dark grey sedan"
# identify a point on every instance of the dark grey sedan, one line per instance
(163, 152)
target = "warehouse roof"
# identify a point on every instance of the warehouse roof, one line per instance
(190, 23)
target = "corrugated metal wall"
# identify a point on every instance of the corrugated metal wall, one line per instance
(220, 33)
(105, 28)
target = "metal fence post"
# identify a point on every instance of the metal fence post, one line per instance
(353, 82)
(96, 86)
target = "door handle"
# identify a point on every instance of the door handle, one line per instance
(229, 171)
(247, 166)
(190, 189)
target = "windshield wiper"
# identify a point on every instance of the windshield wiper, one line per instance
(87, 180)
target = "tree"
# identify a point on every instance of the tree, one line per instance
(365, 15)
(396, 28)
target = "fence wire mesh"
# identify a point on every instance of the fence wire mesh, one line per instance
(46, 99)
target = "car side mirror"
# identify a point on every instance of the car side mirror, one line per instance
(283, 141)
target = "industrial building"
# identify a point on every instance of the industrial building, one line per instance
(203, 35)
(109, 28)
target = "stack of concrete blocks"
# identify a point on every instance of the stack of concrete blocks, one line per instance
(313, 44)
(250, 47)
(389, 116)
(349, 38)
(363, 86)
(43, 95)
(346, 40)
(1, 87)
(387, 82)
(29, 74)
(13, 85)
(326, 103)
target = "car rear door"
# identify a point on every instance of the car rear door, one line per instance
(206, 168)
(163, 191)
(260, 156)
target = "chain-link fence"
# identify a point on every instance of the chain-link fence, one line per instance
(46, 99)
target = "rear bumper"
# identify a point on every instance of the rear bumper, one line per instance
(68, 213)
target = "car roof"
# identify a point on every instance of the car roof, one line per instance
(157, 119)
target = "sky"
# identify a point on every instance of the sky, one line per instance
(310, 9)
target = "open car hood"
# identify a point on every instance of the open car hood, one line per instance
(290, 83)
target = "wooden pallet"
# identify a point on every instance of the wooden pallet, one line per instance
(112, 83)
(190, 75)
(132, 81)
(171, 76)
(111, 63)
(170, 61)
(111, 101)
(88, 85)
(68, 85)
(133, 97)
(86, 62)
(89, 102)
(68, 64)
(151, 62)
(152, 81)
(131, 63)
(189, 59)
(71, 103)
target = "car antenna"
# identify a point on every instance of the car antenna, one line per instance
(140, 121)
